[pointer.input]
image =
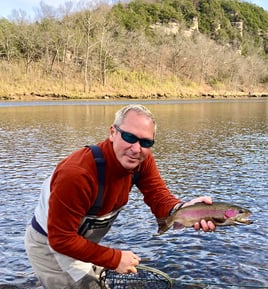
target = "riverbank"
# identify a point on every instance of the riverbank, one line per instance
(157, 96)
(18, 86)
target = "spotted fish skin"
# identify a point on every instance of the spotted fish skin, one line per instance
(220, 213)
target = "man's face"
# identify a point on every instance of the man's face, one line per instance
(131, 155)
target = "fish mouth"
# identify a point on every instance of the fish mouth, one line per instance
(247, 221)
(243, 220)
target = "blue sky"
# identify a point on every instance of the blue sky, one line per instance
(31, 6)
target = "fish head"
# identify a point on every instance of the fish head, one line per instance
(237, 215)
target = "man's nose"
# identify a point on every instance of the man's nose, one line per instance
(136, 147)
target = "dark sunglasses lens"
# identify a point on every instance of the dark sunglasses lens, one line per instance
(129, 137)
(146, 143)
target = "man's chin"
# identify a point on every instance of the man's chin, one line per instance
(130, 164)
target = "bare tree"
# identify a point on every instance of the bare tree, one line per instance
(7, 40)
(27, 39)
(107, 45)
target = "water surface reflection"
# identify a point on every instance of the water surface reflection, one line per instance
(214, 148)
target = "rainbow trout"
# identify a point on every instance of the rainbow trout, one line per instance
(221, 214)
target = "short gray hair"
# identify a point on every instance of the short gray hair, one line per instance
(139, 109)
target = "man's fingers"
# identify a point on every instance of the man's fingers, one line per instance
(205, 199)
(135, 261)
(211, 226)
(132, 269)
(205, 226)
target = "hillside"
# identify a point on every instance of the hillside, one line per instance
(139, 49)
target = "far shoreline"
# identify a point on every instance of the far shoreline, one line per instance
(157, 97)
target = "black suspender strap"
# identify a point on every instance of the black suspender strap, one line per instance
(135, 178)
(100, 164)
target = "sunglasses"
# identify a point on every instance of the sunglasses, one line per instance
(131, 138)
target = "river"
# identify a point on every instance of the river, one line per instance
(216, 148)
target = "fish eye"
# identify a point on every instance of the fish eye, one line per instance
(241, 211)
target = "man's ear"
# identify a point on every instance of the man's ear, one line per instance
(112, 133)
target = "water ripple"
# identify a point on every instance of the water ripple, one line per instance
(218, 152)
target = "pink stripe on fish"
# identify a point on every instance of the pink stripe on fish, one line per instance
(230, 213)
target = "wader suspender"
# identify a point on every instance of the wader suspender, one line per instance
(95, 223)
(100, 164)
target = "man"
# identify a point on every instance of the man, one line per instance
(65, 253)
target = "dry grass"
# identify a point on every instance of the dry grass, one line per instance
(16, 84)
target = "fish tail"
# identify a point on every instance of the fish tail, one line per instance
(163, 225)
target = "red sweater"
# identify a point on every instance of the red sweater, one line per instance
(74, 189)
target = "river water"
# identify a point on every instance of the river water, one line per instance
(216, 148)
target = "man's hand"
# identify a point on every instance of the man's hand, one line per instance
(128, 262)
(204, 225)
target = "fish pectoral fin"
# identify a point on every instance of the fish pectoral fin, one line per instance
(218, 220)
(178, 226)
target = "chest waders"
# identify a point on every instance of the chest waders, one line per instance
(94, 227)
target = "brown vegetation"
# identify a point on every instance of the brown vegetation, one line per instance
(88, 55)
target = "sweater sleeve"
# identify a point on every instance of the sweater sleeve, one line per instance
(154, 189)
(68, 204)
